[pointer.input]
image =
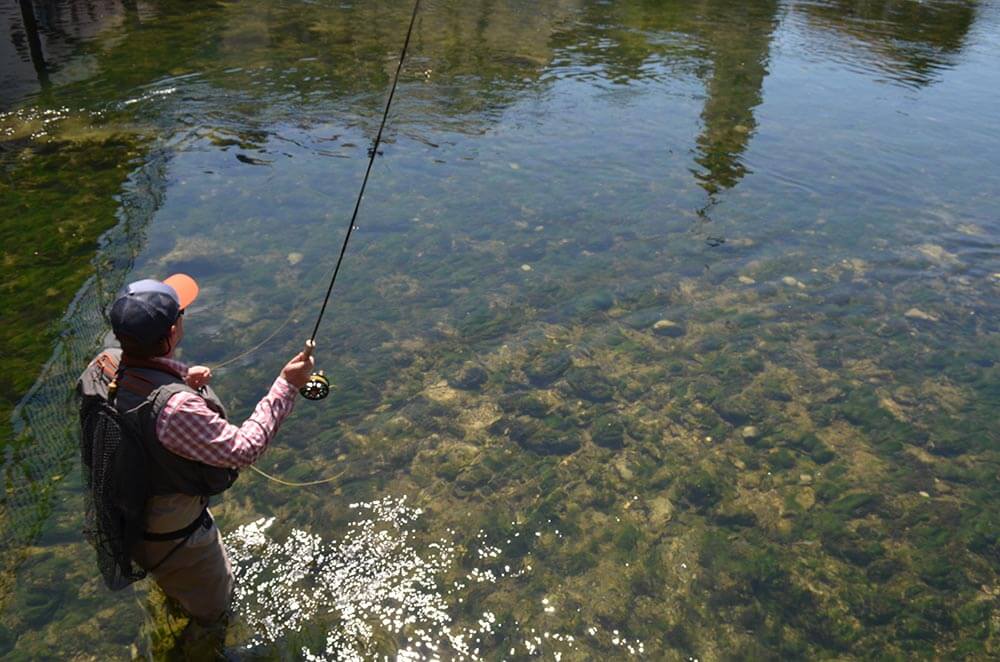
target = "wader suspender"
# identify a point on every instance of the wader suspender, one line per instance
(204, 519)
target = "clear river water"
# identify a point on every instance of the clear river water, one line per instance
(669, 330)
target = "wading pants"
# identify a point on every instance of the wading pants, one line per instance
(197, 574)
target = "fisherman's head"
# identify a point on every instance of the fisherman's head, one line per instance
(147, 317)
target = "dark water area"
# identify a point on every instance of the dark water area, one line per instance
(668, 330)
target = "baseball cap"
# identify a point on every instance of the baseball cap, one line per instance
(146, 309)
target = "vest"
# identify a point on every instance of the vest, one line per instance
(142, 392)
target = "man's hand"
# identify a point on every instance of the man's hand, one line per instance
(297, 371)
(198, 376)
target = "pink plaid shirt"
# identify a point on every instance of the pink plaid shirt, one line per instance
(186, 426)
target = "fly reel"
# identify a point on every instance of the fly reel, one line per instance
(317, 388)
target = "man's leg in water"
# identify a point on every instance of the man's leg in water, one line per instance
(199, 576)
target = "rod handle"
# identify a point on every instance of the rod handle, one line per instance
(308, 350)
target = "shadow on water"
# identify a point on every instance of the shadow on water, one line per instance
(782, 451)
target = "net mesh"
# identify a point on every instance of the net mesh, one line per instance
(45, 423)
(109, 524)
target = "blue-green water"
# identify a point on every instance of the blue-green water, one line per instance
(680, 318)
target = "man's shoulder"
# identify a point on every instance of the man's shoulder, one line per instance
(190, 404)
(183, 397)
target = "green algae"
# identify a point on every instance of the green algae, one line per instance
(48, 234)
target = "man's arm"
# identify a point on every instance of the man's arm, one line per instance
(188, 427)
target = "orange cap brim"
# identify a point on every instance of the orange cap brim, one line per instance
(186, 288)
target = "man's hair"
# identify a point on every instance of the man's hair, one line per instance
(143, 350)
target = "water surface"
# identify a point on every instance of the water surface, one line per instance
(675, 323)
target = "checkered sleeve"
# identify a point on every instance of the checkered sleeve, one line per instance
(188, 427)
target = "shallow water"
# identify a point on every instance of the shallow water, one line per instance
(676, 322)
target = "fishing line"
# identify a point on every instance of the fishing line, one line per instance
(290, 483)
(234, 359)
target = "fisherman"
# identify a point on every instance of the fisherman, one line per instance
(192, 451)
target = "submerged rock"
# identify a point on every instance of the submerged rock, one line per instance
(661, 510)
(522, 403)
(547, 368)
(805, 498)
(609, 432)
(793, 282)
(938, 255)
(470, 377)
(917, 314)
(589, 384)
(532, 435)
(668, 329)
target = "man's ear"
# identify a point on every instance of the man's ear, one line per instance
(166, 343)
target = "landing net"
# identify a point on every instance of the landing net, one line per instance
(45, 440)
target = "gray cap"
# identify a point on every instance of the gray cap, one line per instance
(146, 309)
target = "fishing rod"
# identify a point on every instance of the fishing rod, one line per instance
(318, 386)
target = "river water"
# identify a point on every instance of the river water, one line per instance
(668, 329)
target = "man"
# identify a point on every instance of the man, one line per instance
(192, 451)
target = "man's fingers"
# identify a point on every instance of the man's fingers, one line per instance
(301, 361)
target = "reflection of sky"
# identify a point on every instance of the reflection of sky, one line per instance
(888, 144)
(591, 144)
(908, 42)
